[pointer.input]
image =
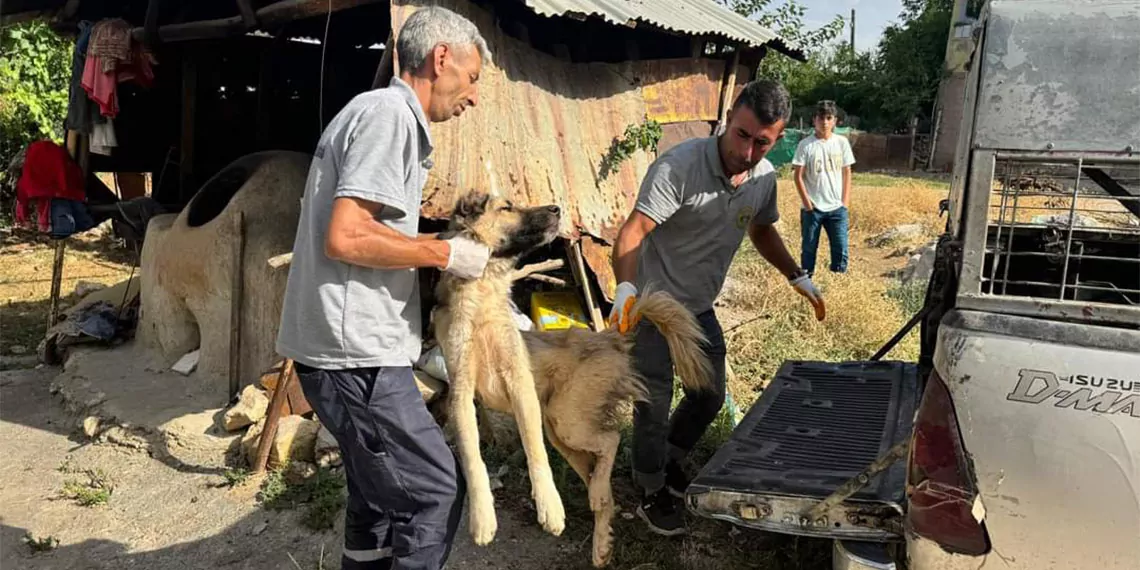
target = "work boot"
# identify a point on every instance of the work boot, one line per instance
(661, 512)
(675, 479)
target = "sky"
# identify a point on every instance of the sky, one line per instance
(871, 16)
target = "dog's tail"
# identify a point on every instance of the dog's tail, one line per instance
(683, 333)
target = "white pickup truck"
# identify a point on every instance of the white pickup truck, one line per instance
(1014, 441)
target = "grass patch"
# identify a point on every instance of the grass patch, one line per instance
(95, 488)
(38, 545)
(322, 496)
(236, 477)
(909, 297)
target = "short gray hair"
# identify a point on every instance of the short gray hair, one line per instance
(433, 25)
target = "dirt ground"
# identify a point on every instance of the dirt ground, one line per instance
(167, 515)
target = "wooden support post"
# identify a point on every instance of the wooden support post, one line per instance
(578, 267)
(729, 86)
(189, 105)
(697, 48)
(150, 23)
(56, 281)
(236, 279)
(384, 69)
(273, 417)
(913, 133)
(248, 17)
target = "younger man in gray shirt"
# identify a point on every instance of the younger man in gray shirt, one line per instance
(696, 202)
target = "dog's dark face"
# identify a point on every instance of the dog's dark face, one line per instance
(508, 230)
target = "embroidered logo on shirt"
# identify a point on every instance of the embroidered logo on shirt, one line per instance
(743, 216)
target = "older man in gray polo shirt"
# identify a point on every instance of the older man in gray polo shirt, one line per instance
(351, 320)
(696, 202)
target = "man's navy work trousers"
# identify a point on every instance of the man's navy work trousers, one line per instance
(405, 492)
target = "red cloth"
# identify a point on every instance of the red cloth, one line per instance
(102, 86)
(48, 173)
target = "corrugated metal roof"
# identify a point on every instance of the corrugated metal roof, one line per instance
(693, 17)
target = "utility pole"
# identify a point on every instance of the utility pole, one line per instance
(853, 30)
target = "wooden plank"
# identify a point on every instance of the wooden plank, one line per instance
(276, 407)
(729, 87)
(237, 268)
(580, 275)
(56, 281)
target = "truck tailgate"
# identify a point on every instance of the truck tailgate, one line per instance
(816, 426)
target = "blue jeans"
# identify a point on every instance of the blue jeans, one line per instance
(835, 224)
(405, 493)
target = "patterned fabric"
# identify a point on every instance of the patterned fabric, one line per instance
(111, 42)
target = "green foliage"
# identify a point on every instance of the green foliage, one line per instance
(34, 72)
(37, 545)
(322, 494)
(637, 137)
(95, 489)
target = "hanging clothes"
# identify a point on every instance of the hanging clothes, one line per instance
(82, 112)
(48, 173)
(103, 138)
(112, 58)
(111, 43)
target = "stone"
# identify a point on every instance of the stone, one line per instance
(187, 363)
(250, 407)
(429, 386)
(294, 441)
(18, 349)
(326, 451)
(1062, 220)
(84, 288)
(249, 441)
(920, 266)
(90, 426)
(895, 234)
(299, 471)
(259, 528)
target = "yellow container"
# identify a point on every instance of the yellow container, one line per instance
(556, 310)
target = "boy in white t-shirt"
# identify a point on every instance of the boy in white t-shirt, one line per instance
(822, 166)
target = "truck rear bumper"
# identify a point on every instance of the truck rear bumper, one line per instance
(925, 554)
(849, 555)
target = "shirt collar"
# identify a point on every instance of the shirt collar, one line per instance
(413, 102)
(712, 151)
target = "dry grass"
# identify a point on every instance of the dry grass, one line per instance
(861, 314)
(25, 280)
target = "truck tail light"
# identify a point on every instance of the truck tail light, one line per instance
(942, 494)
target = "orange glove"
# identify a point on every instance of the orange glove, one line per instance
(624, 298)
(805, 287)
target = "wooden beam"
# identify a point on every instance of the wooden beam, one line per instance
(248, 16)
(270, 16)
(578, 268)
(236, 287)
(68, 11)
(276, 407)
(150, 22)
(729, 86)
(189, 106)
(385, 69)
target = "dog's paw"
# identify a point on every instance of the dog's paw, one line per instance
(551, 514)
(482, 521)
(603, 547)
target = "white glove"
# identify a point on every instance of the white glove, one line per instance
(805, 287)
(466, 258)
(624, 298)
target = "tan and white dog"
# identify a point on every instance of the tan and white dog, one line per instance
(572, 382)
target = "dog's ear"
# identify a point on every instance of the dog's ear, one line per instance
(471, 205)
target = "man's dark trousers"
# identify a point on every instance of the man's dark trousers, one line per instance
(405, 492)
(657, 437)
